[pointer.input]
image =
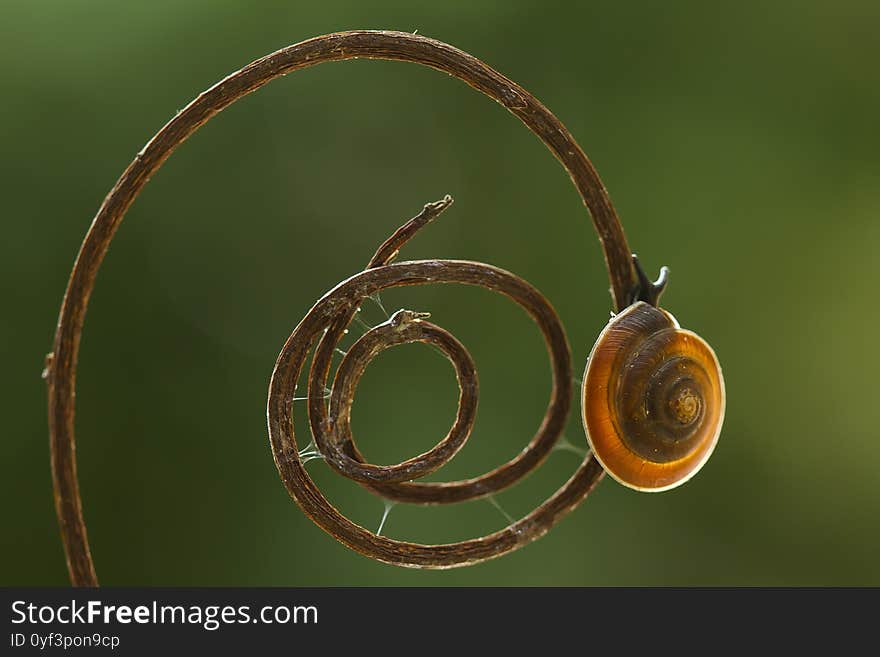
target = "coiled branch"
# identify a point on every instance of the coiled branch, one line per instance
(326, 324)
(399, 46)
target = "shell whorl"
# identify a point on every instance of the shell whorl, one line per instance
(653, 399)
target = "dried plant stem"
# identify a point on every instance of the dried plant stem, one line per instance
(61, 370)
(326, 323)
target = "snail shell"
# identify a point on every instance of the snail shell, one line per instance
(653, 399)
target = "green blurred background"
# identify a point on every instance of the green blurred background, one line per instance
(738, 140)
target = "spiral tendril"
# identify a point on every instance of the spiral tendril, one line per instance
(334, 312)
(330, 419)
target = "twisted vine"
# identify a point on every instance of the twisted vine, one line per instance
(335, 310)
(326, 323)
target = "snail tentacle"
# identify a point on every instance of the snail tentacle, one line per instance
(647, 290)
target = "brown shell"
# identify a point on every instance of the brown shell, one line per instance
(653, 399)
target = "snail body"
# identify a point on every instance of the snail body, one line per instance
(653, 399)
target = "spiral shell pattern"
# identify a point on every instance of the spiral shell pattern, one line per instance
(653, 399)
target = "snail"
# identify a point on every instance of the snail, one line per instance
(653, 395)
